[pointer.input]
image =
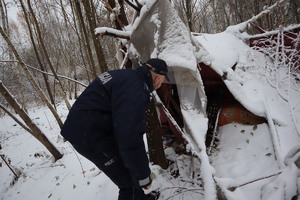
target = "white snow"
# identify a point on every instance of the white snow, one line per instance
(103, 30)
(257, 161)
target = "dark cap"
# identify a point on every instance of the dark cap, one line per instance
(158, 66)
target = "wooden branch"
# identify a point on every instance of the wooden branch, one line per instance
(270, 33)
(49, 74)
(2, 156)
(118, 22)
(138, 3)
(155, 146)
(36, 131)
(107, 5)
(114, 35)
(112, 32)
(266, 11)
(137, 8)
(233, 188)
(15, 119)
(254, 18)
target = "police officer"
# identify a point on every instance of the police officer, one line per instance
(107, 122)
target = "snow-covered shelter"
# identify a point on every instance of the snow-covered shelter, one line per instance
(259, 88)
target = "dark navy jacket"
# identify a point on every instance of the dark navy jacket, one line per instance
(113, 107)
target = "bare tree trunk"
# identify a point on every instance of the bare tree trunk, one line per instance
(3, 12)
(36, 132)
(4, 19)
(295, 5)
(37, 54)
(31, 78)
(120, 21)
(47, 55)
(70, 60)
(226, 17)
(75, 15)
(257, 10)
(189, 14)
(121, 18)
(84, 34)
(215, 15)
(91, 18)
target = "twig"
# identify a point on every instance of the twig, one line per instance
(124, 61)
(233, 188)
(82, 170)
(266, 11)
(48, 121)
(271, 33)
(2, 156)
(182, 190)
(65, 176)
(47, 73)
(256, 17)
(138, 3)
(112, 10)
(16, 120)
(133, 6)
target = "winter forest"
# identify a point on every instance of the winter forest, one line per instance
(227, 59)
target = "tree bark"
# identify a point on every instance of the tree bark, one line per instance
(295, 5)
(257, 9)
(91, 18)
(79, 33)
(3, 16)
(36, 132)
(215, 15)
(84, 34)
(120, 19)
(189, 14)
(31, 78)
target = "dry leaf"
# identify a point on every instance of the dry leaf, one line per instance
(254, 127)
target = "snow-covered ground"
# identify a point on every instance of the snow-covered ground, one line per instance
(73, 176)
(244, 154)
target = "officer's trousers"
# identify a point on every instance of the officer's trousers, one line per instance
(107, 158)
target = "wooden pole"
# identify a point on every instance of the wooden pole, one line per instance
(155, 146)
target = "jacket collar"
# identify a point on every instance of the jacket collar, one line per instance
(145, 74)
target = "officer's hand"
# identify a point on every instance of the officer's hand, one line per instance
(147, 187)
